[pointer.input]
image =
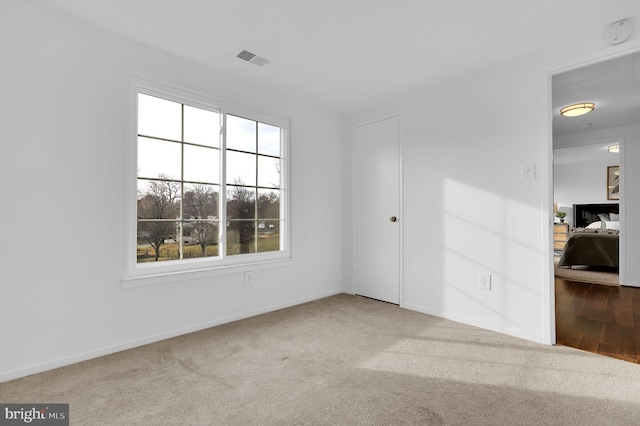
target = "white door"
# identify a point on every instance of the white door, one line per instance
(377, 210)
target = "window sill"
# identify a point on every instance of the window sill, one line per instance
(195, 274)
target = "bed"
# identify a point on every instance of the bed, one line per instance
(586, 214)
(594, 239)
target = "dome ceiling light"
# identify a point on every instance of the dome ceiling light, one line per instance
(576, 110)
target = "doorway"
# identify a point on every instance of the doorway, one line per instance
(377, 219)
(610, 82)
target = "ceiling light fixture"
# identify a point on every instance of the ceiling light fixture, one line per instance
(614, 148)
(577, 109)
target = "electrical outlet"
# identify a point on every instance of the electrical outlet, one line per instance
(484, 281)
(248, 279)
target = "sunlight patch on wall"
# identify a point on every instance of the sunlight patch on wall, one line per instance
(485, 233)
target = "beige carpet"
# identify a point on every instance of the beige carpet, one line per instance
(343, 360)
(586, 275)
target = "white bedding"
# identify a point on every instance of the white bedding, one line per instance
(608, 224)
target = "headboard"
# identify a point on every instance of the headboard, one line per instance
(584, 214)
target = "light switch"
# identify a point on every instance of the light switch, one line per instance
(528, 171)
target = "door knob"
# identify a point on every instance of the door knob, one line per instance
(393, 218)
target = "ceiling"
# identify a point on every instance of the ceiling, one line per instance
(613, 85)
(590, 153)
(348, 54)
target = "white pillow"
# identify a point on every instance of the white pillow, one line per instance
(594, 225)
(613, 225)
(614, 216)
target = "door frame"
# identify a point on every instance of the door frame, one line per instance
(603, 55)
(400, 199)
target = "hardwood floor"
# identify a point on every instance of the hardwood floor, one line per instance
(599, 318)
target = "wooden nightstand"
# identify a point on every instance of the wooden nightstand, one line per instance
(560, 235)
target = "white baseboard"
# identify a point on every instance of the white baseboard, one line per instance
(85, 356)
(472, 322)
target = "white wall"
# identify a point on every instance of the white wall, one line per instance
(63, 161)
(467, 210)
(630, 203)
(580, 175)
(631, 194)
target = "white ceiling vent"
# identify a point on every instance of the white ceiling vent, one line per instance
(245, 55)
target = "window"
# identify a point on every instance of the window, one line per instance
(210, 184)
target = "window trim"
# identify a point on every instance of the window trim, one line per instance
(187, 269)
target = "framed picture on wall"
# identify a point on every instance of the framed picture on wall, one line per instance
(613, 183)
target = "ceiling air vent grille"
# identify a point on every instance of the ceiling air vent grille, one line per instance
(245, 55)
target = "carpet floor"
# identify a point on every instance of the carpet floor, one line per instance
(342, 360)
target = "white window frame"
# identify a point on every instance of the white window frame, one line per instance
(144, 274)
